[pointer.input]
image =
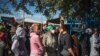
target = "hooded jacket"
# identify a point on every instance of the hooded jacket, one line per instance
(35, 44)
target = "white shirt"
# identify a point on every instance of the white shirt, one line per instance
(93, 41)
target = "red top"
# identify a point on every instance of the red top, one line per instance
(1, 36)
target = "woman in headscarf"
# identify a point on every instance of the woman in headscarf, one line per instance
(49, 41)
(18, 46)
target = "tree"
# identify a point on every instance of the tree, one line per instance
(3, 7)
(67, 7)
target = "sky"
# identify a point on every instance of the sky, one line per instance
(20, 14)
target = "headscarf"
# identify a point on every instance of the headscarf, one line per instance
(50, 27)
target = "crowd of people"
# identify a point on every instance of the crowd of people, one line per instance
(19, 40)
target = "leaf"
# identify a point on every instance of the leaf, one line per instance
(13, 2)
(26, 10)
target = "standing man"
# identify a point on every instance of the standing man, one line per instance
(64, 43)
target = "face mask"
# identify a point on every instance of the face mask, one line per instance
(52, 31)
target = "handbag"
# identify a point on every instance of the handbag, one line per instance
(64, 52)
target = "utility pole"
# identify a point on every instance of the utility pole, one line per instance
(41, 22)
(23, 17)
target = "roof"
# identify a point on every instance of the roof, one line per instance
(6, 15)
(28, 20)
(57, 21)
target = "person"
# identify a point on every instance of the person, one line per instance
(13, 29)
(61, 23)
(85, 43)
(36, 48)
(2, 44)
(49, 41)
(95, 43)
(18, 45)
(44, 27)
(64, 42)
(76, 44)
(27, 38)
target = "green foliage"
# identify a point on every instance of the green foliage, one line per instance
(2, 28)
(5, 10)
(67, 7)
